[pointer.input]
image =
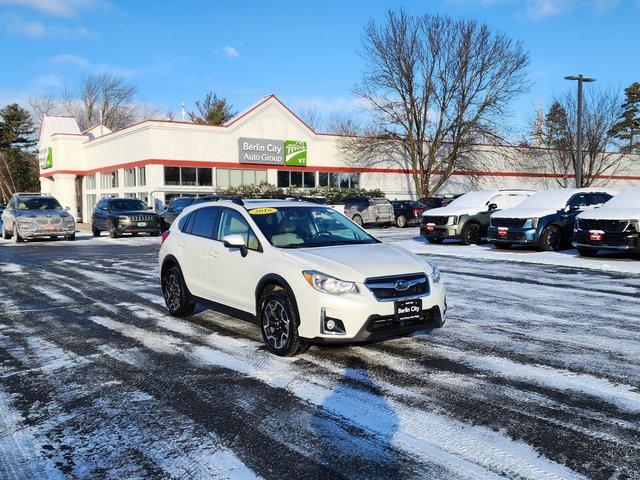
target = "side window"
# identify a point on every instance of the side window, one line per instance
(232, 222)
(204, 222)
(183, 223)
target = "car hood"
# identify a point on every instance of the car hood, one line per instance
(450, 211)
(41, 213)
(612, 213)
(133, 212)
(355, 263)
(525, 212)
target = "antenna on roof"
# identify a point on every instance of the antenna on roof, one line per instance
(184, 113)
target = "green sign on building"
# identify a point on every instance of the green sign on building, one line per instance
(295, 153)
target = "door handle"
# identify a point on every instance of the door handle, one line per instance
(181, 244)
(213, 254)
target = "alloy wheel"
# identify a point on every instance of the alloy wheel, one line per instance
(275, 324)
(172, 291)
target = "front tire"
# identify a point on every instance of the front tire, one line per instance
(357, 219)
(551, 240)
(175, 293)
(471, 234)
(587, 252)
(279, 323)
(401, 221)
(113, 231)
(95, 231)
(70, 238)
(6, 235)
(16, 234)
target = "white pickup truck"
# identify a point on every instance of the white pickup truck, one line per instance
(614, 226)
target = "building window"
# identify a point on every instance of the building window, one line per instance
(129, 177)
(296, 179)
(142, 176)
(188, 176)
(172, 175)
(205, 177)
(109, 180)
(130, 195)
(235, 177)
(91, 201)
(91, 182)
(340, 180)
(144, 197)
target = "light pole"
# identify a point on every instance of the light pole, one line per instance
(580, 79)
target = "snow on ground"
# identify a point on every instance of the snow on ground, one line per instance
(535, 375)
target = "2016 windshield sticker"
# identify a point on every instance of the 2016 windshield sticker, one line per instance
(262, 211)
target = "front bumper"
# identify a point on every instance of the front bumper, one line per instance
(363, 316)
(440, 231)
(134, 227)
(516, 236)
(28, 231)
(621, 241)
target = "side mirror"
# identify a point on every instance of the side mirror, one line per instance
(493, 206)
(235, 241)
(67, 209)
(149, 208)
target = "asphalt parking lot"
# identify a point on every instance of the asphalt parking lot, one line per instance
(535, 375)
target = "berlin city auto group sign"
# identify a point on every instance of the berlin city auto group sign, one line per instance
(272, 152)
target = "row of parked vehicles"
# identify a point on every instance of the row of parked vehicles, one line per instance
(590, 219)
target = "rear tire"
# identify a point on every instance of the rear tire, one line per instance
(437, 241)
(357, 219)
(176, 295)
(155, 234)
(279, 323)
(551, 240)
(401, 221)
(587, 252)
(471, 234)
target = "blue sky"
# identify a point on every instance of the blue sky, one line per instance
(304, 52)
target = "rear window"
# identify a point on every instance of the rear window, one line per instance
(204, 222)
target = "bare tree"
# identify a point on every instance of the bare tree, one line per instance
(43, 105)
(312, 117)
(435, 86)
(601, 157)
(103, 98)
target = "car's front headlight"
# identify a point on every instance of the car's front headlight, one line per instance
(123, 218)
(328, 284)
(531, 223)
(25, 220)
(432, 271)
(68, 219)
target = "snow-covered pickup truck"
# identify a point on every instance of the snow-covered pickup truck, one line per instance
(614, 226)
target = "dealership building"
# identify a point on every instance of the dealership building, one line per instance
(156, 160)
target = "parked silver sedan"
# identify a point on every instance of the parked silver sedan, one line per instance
(33, 215)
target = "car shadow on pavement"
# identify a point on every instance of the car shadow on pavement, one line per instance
(356, 405)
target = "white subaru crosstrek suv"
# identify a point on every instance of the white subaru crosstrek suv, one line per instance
(306, 272)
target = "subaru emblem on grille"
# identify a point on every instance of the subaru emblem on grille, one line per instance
(402, 285)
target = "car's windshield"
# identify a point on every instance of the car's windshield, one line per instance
(626, 199)
(472, 199)
(38, 203)
(548, 199)
(127, 204)
(300, 227)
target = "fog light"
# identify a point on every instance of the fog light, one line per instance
(331, 324)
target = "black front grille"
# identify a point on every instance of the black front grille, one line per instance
(386, 288)
(435, 220)
(605, 225)
(387, 323)
(508, 222)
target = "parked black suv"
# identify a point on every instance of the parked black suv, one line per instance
(407, 212)
(124, 215)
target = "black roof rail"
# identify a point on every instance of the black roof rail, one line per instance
(216, 198)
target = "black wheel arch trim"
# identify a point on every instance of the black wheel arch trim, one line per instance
(274, 278)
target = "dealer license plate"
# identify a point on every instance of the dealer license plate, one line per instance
(142, 224)
(407, 310)
(596, 235)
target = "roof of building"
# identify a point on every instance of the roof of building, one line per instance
(61, 124)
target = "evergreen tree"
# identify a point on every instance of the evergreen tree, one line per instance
(18, 164)
(212, 110)
(628, 128)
